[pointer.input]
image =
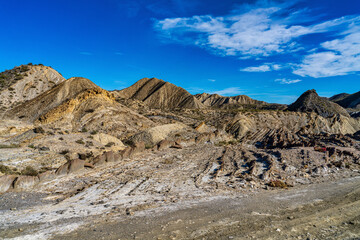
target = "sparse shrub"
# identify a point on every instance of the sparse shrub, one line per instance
(63, 152)
(9, 146)
(31, 146)
(167, 161)
(93, 132)
(39, 130)
(89, 143)
(148, 146)
(24, 68)
(110, 144)
(84, 130)
(6, 170)
(278, 184)
(61, 139)
(29, 171)
(80, 141)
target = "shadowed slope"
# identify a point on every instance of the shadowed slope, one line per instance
(157, 93)
(311, 102)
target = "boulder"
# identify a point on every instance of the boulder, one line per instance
(110, 156)
(138, 147)
(62, 170)
(154, 135)
(176, 145)
(48, 175)
(202, 128)
(88, 165)
(105, 139)
(99, 160)
(6, 182)
(126, 153)
(163, 144)
(76, 165)
(25, 182)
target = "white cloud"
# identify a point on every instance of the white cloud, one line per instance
(262, 68)
(211, 80)
(231, 91)
(341, 57)
(258, 32)
(267, 67)
(287, 81)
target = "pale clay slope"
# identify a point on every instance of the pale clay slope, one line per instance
(39, 80)
(203, 167)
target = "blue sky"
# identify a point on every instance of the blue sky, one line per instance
(269, 50)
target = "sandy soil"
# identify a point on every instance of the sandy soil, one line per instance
(182, 194)
(319, 211)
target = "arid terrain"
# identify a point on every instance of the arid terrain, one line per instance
(153, 161)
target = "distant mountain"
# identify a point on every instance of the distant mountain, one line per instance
(310, 101)
(338, 97)
(157, 93)
(348, 100)
(215, 100)
(26, 82)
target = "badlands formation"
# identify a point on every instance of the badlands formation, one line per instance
(153, 161)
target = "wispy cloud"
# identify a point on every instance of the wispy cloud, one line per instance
(231, 91)
(211, 80)
(119, 53)
(287, 81)
(341, 57)
(257, 32)
(267, 29)
(86, 53)
(267, 67)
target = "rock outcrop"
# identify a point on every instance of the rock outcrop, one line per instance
(26, 82)
(286, 128)
(78, 103)
(310, 101)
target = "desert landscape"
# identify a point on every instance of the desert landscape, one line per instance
(153, 161)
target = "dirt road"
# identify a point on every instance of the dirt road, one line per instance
(319, 211)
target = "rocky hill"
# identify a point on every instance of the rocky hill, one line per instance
(215, 100)
(310, 101)
(26, 82)
(157, 93)
(345, 100)
(79, 103)
(239, 102)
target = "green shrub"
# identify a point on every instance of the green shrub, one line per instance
(64, 152)
(6, 170)
(9, 146)
(110, 144)
(84, 130)
(80, 141)
(29, 171)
